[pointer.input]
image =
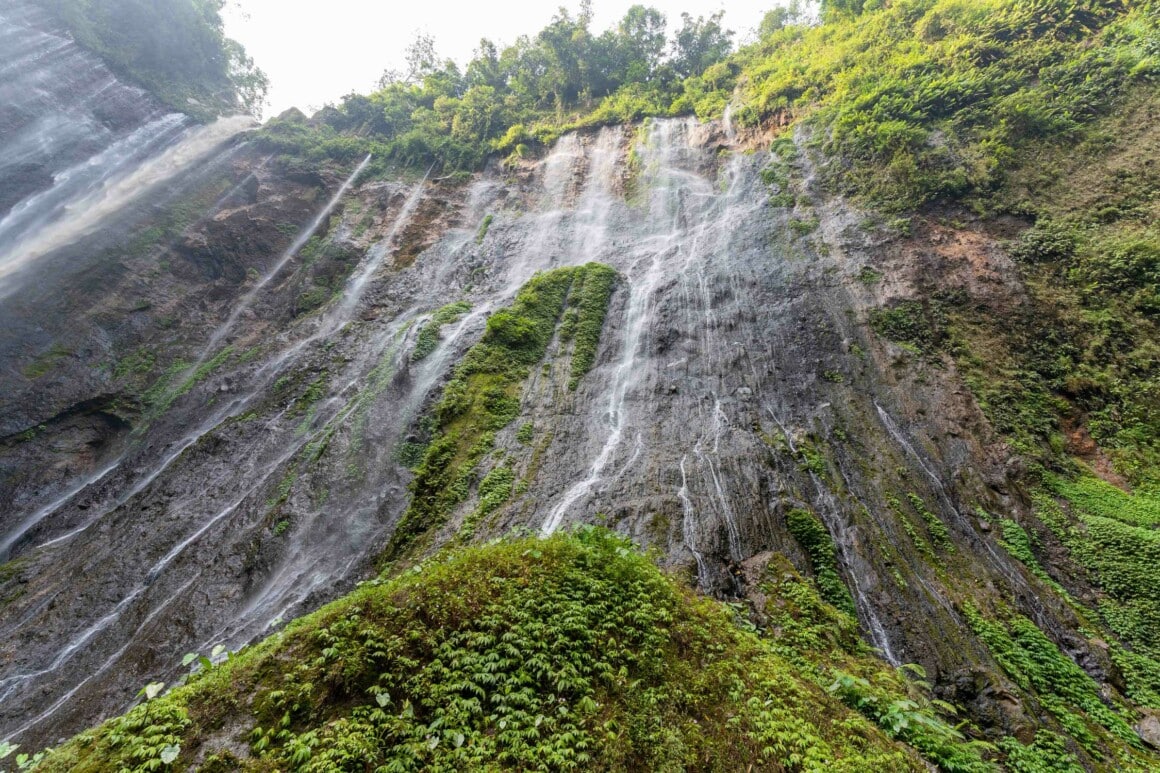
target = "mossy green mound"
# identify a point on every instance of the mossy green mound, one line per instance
(573, 652)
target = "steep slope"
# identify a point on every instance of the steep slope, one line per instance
(292, 373)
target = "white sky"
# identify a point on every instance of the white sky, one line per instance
(315, 51)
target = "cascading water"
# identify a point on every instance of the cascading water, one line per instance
(77, 144)
(271, 486)
(59, 105)
(244, 303)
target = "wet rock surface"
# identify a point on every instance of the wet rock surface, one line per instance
(736, 379)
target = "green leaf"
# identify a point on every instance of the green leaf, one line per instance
(382, 699)
(153, 689)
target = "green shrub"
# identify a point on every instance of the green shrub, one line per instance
(916, 325)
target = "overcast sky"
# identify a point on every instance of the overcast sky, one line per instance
(315, 52)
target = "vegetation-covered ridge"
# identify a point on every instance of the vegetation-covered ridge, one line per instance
(176, 49)
(483, 396)
(570, 653)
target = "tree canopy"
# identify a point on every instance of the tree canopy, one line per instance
(510, 97)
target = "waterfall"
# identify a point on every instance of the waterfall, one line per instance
(244, 303)
(78, 145)
(272, 486)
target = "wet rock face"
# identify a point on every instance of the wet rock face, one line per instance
(735, 380)
(60, 106)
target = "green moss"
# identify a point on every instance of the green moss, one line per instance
(804, 227)
(937, 529)
(526, 432)
(483, 395)
(428, 338)
(178, 379)
(811, 534)
(494, 490)
(809, 455)
(915, 325)
(483, 226)
(591, 304)
(572, 653)
(312, 298)
(47, 361)
(136, 364)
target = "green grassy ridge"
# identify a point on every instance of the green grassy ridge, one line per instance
(572, 652)
(921, 99)
(483, 395)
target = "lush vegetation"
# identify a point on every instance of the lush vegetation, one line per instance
(1062, 687)
(512, 99)
(571, 653)
(483, 395)
(921, 99)
(1044, 110)
(1114, 536)
(811, 534)
(174, 48)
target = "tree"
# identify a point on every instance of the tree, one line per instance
(699, 43)
(641, 43)
(175, 48)
(842, 7)
(420, 61)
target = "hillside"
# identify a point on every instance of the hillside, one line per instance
(610, 404)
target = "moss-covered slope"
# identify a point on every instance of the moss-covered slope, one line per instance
(573, 652)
